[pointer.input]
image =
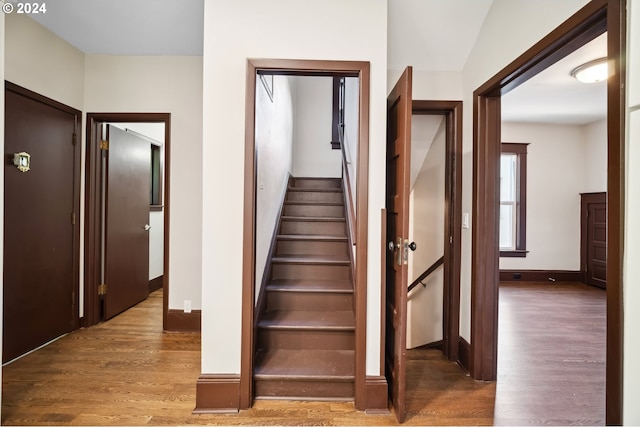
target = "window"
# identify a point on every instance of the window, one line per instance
(156, 177)
(513, 200)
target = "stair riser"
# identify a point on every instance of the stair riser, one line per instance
(328, 228)
(316, 183)
(308, 247)
(305, 339)
(334, 211)
(309, 301)
(303, 390)
(313, 196)
(306, 271)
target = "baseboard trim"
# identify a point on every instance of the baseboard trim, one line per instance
(541, 276)
(216, 394)
(155, 284)
(464, 354)
(178, 320)
(377, 395)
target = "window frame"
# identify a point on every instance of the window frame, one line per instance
(520, 150)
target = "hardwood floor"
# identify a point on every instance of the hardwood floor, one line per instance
(127, 372)
(551, 354)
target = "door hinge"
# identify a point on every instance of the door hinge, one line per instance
(102, 289)
(74, 139)
(104, 145)
(73, 218)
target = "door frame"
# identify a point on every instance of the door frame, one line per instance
(358, 69)
(92, 211)
(452, 111)
(595, 18)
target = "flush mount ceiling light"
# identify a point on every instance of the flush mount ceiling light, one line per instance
(592, 71)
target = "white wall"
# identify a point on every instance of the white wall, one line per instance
(42, 62)
(275, 29)
(274, 148)
(594, 157)
(2, 29)
(554, 184)
(170, 84)
(525, 22)
(351, 128)
(313, 108)
(426, 228)
(431, 85)
(631, 274)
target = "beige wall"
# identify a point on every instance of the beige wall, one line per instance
(274, 147)
(2, 30)
(275, 29)
(554, 183)
(426, 228)
(594, 157)
(313, 108)
(631, 290)
(163, 84)
(40, 61)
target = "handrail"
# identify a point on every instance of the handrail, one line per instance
(347, 183)
(426, 274)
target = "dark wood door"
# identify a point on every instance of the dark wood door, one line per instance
(399, 110)
(594, 235)
(128, 195)
(40, 249)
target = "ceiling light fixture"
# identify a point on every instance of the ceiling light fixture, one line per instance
(592, 71)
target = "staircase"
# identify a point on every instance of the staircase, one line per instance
(305, 336)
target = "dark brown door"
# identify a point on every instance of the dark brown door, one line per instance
(40, 273)
(397, 206)
(594, 235)
(127, 217)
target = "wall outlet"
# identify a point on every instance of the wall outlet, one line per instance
(187, 306)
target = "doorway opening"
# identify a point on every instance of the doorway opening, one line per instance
(594, 19)
(397, 218)
(126, 209)
(275, 67)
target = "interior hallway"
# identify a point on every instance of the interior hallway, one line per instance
(127, 372)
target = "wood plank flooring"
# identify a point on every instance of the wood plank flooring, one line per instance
(127, 372)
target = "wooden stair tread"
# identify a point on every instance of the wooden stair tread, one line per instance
(313, 237)
(312, 203)
(308, 320)
(307, 285)
(284, 364)
(315, 190)
(314, 218)
(311, 259)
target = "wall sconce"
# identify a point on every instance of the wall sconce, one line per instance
(592, 71)
(22, 161)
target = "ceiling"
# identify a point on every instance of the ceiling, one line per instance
(128, 27)
(553, 96)
(430, 35)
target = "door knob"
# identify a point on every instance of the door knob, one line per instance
(147, 227)
(391, 246)
(413, 246)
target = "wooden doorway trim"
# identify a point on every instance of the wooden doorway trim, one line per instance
(589, 22)
(358, 69)
(452, 111)
(93, 191)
